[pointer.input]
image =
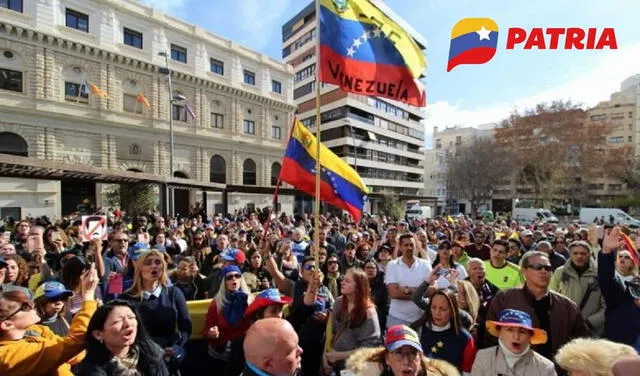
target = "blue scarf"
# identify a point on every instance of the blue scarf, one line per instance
(234, 307)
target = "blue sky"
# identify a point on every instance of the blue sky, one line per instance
(470, 94)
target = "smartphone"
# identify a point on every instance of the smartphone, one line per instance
(444, 272)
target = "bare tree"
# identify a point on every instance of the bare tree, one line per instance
(556, 151)
(474, 170)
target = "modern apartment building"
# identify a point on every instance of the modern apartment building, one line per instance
(619, 113)
(382, 139)
(242, 102)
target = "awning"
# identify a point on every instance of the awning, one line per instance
(33, 168)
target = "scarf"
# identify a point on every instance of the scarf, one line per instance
(333, 284)
(127, 366)
(510, 357)
(234, 306)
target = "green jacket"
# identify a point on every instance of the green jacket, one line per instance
(565, 281)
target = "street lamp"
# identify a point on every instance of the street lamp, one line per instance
(173, 98)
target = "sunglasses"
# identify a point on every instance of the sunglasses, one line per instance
(539, 267)
(309, 267)
(411, 355)
(332, 262)
(25, 307)
(232, 277)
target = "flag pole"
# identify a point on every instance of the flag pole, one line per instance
(316, 211)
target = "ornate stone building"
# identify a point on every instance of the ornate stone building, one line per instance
(57, 55)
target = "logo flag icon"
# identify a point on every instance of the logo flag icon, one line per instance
(473, 41)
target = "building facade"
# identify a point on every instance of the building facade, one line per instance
(619, 113)
(57, 56)
(382, 139)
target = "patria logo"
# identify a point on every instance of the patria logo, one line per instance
(475, 40)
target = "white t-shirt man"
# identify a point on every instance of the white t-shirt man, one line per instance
(406, 276)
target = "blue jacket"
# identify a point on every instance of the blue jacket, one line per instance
(622, 315)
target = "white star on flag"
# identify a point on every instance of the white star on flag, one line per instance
(377, 32)
(365, 36)
(356, 42)
(484, 33)
(351, 51)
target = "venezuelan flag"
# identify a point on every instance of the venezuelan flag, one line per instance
(364, 51)
(340, 184)
(473, 41)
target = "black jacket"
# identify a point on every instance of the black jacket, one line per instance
(99, 363)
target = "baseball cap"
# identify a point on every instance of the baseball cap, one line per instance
(526, 233)
(233, 254)
(266, 298)
(52, 290)
(136, 250)
(401, 335)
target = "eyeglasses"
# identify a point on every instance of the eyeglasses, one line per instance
(149, 262)
(25, 307)
(411, 355)
(309, 267)
(232, 277)
(539, 267)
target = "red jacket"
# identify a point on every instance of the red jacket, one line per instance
(227, 332)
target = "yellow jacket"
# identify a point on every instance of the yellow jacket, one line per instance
(46, 354)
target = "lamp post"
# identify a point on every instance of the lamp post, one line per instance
(172, 98)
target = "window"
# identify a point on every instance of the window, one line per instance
(13, 5)
(304, 90)
(10, 80)
(76, 20)
(249, 78)
(276, 132)
(217, 120)
(132, 38)
(217, 170)
(306, 72)
(74, 92)
(13, 144)
(179, 113)
(217, 67)
(276, 86)
(630, 139)
(249, 127)
(616, 140)
(130, 104)
(275, 173)
(249, 172)
(178, 53)
(307, 57)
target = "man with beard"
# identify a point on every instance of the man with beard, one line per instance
(478, 248)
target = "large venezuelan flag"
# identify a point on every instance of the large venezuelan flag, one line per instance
(364, 51)
(340, 184)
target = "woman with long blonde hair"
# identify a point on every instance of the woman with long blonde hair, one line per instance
(163, 308)
(226, 322)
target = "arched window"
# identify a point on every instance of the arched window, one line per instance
(217, 170)
(180, 174)
(249, 172)
(275, 172)
(11, 143)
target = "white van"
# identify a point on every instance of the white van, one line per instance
(418, 212)
(588, 215)
(528, 215)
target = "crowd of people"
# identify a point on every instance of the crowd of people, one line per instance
(251, 293)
